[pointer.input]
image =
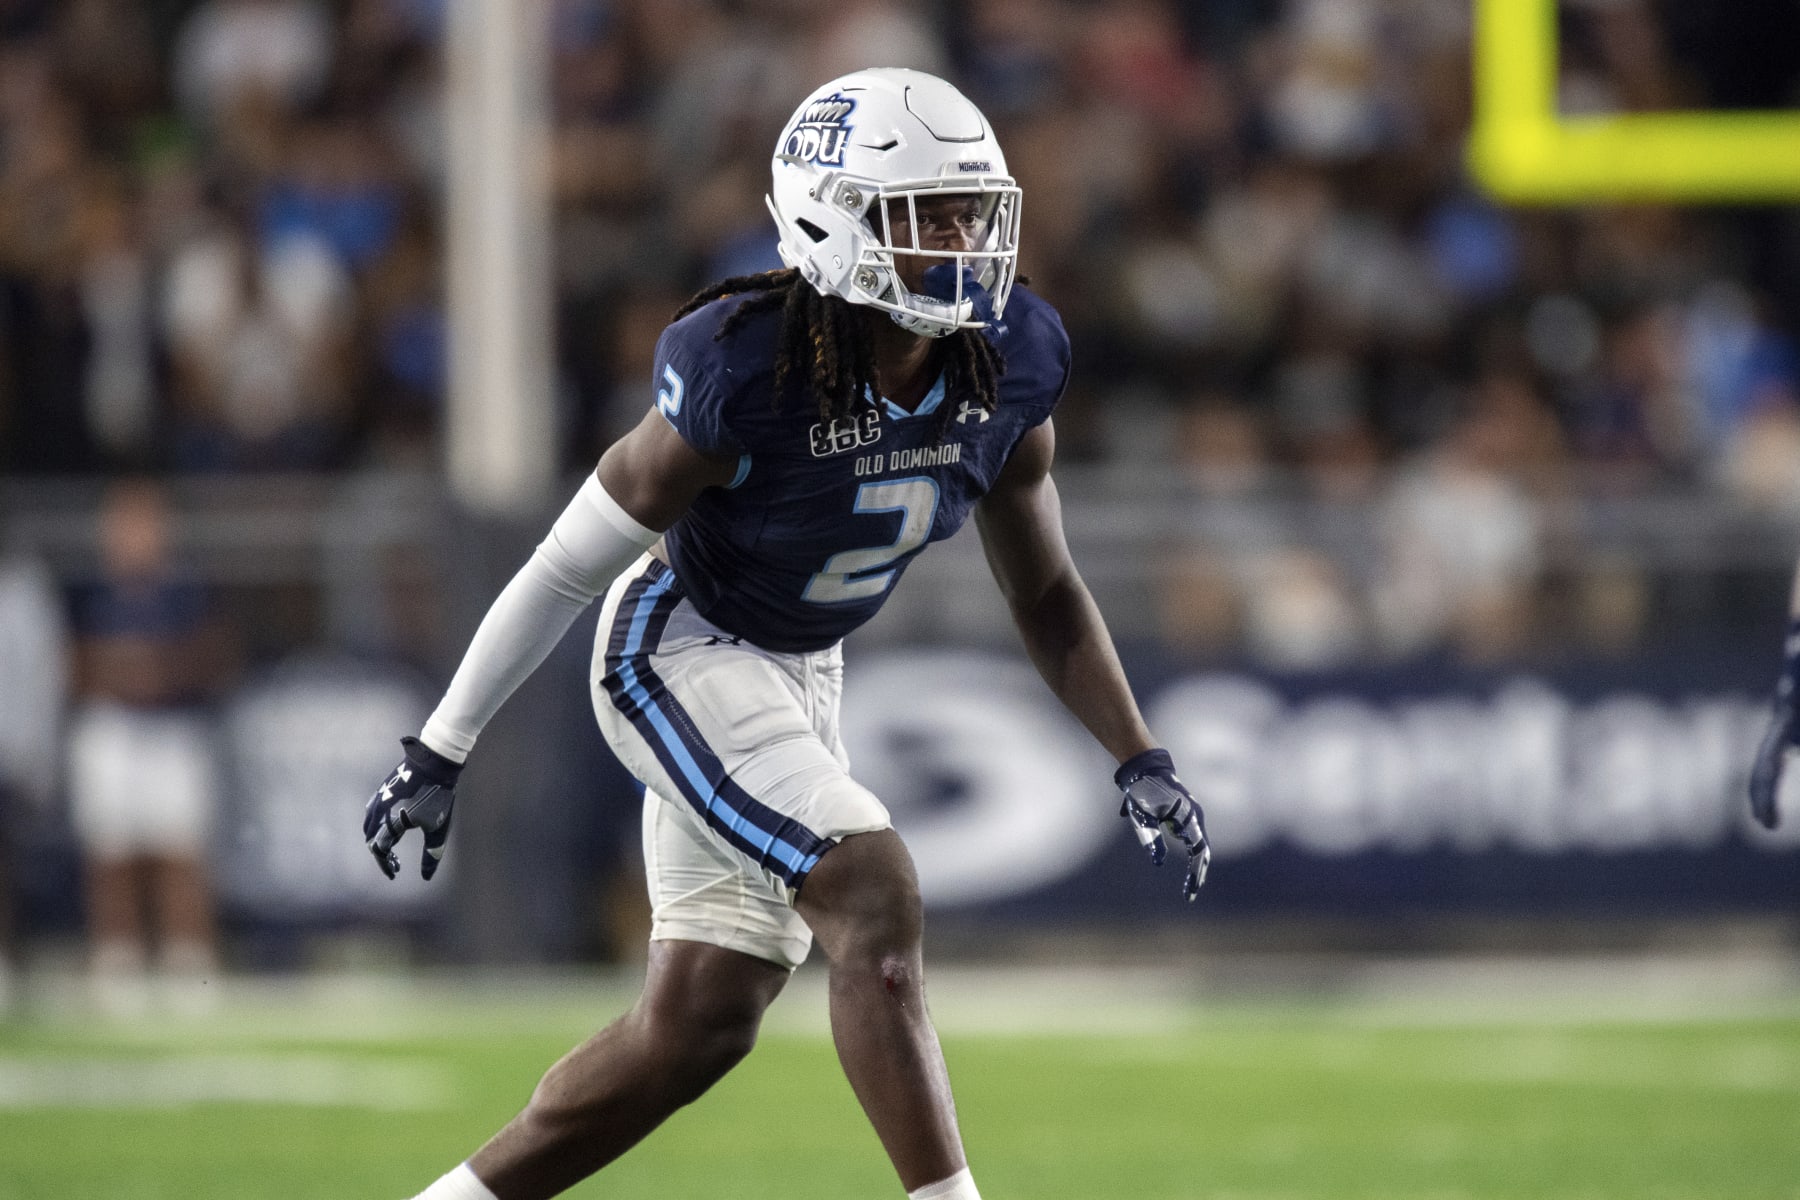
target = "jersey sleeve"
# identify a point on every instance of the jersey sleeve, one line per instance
(1064, 360)
(686, 393)
(1038, 358)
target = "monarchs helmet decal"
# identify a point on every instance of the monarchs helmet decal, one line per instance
(822, 132)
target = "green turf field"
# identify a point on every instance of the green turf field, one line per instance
(309, 1094)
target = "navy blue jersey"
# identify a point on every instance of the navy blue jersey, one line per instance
(167, 607)
(822, 518)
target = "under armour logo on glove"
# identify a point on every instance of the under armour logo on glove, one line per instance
(1156, 801)
(420, 794)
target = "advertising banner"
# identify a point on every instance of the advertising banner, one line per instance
(1424, 790)
(1417, 791)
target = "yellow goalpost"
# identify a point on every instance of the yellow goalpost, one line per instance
(1525, 152)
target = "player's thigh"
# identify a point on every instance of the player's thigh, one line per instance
(767, 719)
(736, 733)
(746, 787)
(702, 890)
(828, 685)
(743, 797)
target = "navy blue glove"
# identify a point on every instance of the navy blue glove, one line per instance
(1156, 801)
(1782, 737)
(420, 794)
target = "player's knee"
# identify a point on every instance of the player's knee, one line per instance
(696, 1042)
(900, 926)
(884, 927)
(862, 900)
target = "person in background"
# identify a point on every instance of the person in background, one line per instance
(142, 772)
(33, 686)
(1783, 735)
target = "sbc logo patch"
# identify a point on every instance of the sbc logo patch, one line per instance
(846, 433)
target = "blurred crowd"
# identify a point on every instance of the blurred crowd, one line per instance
(222, 250)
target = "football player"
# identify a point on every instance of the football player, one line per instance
(1783, 735)
(816, 427)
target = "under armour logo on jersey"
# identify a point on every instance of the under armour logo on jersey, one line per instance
(720, 639)
(966, 410)
(846, 433)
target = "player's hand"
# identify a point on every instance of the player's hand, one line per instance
(1157, 802)
(420, 794)
(1781, 739)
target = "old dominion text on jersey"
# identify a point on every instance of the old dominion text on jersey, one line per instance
(822, 518)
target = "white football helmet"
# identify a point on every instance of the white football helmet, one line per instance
(884, 135)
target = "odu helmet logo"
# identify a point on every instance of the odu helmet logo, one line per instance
(822, 132)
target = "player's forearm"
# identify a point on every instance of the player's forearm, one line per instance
(526, 622)
(589, 545)
(1067, 640)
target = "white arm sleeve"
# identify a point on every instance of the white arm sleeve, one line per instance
(589, 545)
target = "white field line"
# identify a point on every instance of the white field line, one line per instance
(1551, 1057)
(1184, 996)
(1626, 989)
(312, 1081)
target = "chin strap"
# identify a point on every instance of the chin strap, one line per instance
(925, 327)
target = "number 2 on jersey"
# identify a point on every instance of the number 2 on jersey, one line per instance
(846, 574)
(669, 399)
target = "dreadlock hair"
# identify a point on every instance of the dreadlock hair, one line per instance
(828, 347)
